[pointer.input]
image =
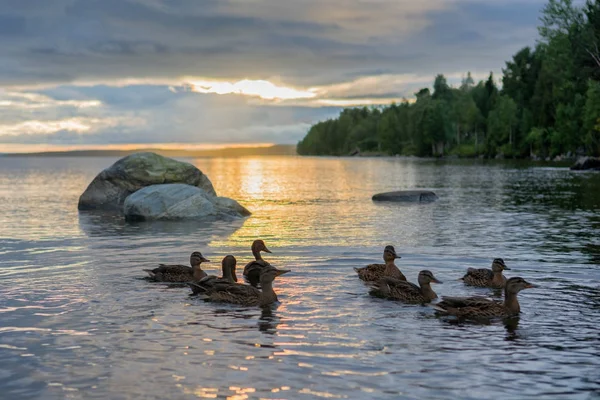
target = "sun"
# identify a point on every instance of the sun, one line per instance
(256, 88)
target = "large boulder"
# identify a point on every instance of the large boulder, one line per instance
(413, 196)
(179, 201)
(584, 163)
(110, 188)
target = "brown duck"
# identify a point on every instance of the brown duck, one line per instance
(481, 307)
(180, 273)
(404, 291)
(236, 293)
(484, 277)
(228, 276)
(374, 272)
(252, 269)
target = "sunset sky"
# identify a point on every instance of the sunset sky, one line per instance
(109, 72)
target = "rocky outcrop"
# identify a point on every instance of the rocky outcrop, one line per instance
(111, 187)
(413, 196)
(179, 201)
(587, 163)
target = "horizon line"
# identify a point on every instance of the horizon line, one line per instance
(185, 147)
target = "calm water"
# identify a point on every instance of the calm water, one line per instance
(76, 320)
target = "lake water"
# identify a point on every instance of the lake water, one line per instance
(77, 321)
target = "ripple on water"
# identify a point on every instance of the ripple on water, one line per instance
(78, 321)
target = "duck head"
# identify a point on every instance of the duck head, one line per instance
(389, 254)
(197, 258)
(498, 265)
(228, 267)
(426, 277)
(516, 284)
(258, 246)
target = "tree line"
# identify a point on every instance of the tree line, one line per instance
(548, 104)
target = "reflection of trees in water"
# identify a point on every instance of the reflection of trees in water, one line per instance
(565, 206)
(555, 188)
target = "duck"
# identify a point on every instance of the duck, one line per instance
(478, 307)
(252, 269)
(228, 265)
(374, 272)
(395, 289)
(484, 277)
(247, 295)
(180, 273)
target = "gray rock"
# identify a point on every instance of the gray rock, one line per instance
(110, 188)
(179, 201)
(587, 163)
(230, 206)
(414, 196)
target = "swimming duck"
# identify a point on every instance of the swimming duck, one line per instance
(252, 269)
(247, 295)
(374, 272)
(480, 307)
(228, 271)
(180, 273)
(484, 277)
(407, 292)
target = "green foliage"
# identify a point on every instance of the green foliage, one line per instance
(502, 121)
(549, 103)
(592, 119)
(465, 150)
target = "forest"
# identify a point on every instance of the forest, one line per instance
(546, 104)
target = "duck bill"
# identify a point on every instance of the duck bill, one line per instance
(436, 280)
(505, 267)
(282, 271)
(267, 250)
(204, 259)
(397, 256)
(530, 286)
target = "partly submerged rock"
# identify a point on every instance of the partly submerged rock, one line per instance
(110, 188)
(179, 201)
(413, 196)
(584, 163)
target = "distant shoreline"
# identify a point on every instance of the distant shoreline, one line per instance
(275, 150)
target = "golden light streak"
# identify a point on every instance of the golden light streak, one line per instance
(257, 88)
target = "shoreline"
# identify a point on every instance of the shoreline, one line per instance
(275, 150)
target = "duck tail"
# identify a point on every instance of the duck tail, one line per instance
(150, 272)
(377, 292)
(196, 289)
(378, 289)
(438, 308)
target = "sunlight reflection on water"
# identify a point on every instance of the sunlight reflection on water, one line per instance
(79, 322)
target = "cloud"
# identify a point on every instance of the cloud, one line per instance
(28, 100)
(304, 43)
(151, 114)
(257, 88)
(87, 71)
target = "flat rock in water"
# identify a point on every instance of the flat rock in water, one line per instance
(110, 188)
(587, 163)
(411, 196)
(180, 201)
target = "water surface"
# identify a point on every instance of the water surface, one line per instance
(77, 321)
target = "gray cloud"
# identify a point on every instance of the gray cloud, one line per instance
(83, 50)
(308, 43)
